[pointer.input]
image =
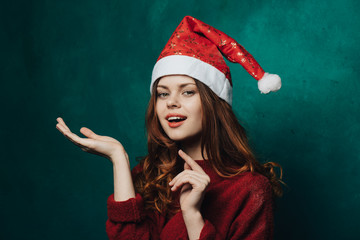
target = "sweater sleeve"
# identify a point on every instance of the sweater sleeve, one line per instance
(127, 219)
(254, 219)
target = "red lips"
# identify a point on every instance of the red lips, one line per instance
(175, 120)
(174, 115)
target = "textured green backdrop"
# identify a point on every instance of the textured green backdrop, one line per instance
(90, 62)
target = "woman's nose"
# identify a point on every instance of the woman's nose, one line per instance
(173, 101)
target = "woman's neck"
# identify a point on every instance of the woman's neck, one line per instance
(193, 149)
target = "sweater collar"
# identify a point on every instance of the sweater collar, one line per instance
(206, 166)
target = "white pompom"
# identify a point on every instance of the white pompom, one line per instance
(269, 83)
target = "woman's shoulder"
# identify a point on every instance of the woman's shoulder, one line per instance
(244, 187)
(253, 177)
(251, 182)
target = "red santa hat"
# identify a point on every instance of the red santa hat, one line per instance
(195, 49)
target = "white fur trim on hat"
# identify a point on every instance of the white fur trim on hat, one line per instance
(269, 83)
(195, 68)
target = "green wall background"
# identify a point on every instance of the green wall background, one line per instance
(90, 62)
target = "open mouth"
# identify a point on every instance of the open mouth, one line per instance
(176, 121)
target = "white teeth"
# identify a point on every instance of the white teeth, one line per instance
(174, 118)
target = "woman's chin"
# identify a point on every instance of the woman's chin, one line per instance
(192, 139)
(177, 138)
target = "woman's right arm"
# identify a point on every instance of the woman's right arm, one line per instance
(126, 214)
(123, 184)
(126, 217)
(109, 148)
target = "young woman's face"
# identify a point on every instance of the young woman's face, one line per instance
(178, 107)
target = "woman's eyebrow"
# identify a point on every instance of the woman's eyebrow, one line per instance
(180, 86)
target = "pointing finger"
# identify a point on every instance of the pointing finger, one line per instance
(193, 165)
(187, 166)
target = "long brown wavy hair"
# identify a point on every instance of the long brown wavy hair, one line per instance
(223, 139)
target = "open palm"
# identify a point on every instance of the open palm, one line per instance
(96, 144)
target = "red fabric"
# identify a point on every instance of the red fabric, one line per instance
(240, 207)
(197, 39)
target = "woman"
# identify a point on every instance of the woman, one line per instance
(200, 179)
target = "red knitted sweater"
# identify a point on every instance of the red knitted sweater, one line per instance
(240, 207)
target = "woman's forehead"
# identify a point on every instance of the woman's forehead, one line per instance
(175, 80)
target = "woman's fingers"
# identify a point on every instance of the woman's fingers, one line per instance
(81, 142)
(62, 128)
(187, 176)
(88, 133)
(193, 173)
(61, 121)
(194, 166)
(85, 131)
(187, 166)
(96, 144)
(189, 172)
(196, 182)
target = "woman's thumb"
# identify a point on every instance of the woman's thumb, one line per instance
(88, 133)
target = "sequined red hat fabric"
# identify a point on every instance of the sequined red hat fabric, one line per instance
(196, 48)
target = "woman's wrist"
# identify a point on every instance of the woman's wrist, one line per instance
(123, 185)
(194, 223)
(191, 215)
(190, 212)
(119, 158)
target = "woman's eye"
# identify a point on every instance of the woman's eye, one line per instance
(189, 93)
(162, 94)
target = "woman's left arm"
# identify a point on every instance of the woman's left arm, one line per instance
(193, 182)
(254, 219)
